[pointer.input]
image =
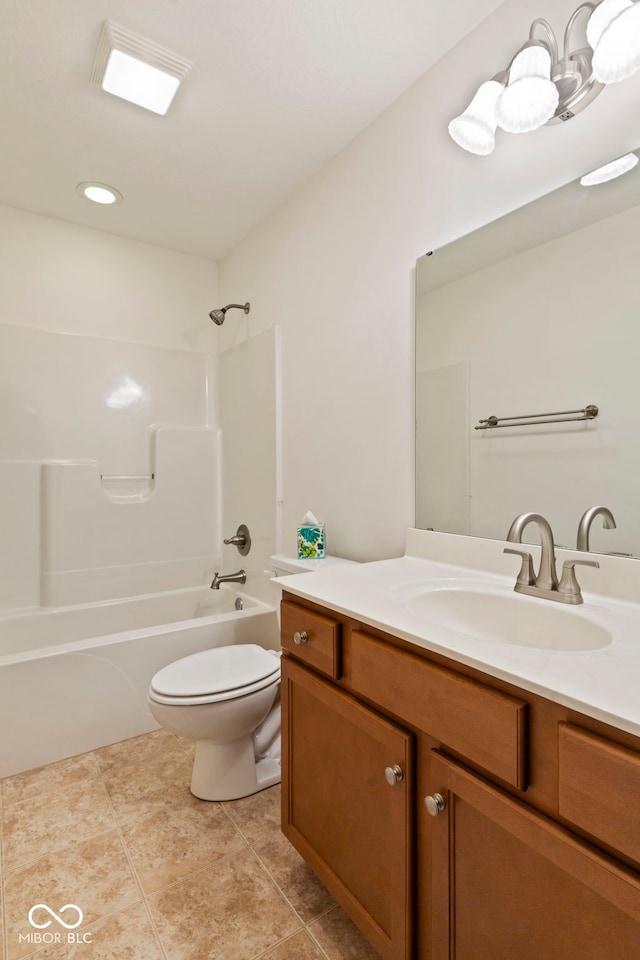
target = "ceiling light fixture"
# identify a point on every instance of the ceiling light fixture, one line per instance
(136, 69)
(99, 192)
(614, 33)
(610, 170)
(538, 87)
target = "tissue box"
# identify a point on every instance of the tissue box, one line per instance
(311, 541)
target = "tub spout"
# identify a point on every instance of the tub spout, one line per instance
(218, 578)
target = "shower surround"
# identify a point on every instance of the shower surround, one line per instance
(109, 489)
(109, 468)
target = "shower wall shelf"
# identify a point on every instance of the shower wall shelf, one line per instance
(128, 476)
(106, 533)
(527, 420)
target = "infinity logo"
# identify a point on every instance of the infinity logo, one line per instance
(56, 916)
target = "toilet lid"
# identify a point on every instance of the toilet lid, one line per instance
(217, 671)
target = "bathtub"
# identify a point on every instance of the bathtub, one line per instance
(75, 678)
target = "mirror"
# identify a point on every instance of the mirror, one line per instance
(534, 314)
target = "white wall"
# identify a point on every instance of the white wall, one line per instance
(334, 267)
(58, 276)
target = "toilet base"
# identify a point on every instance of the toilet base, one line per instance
(229, 771)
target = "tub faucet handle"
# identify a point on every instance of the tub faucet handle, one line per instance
(241, 539)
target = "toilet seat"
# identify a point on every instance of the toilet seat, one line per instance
(223, 673)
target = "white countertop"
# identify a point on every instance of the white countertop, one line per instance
(603, 683)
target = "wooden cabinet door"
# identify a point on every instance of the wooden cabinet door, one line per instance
(352, 826)
(509, 884)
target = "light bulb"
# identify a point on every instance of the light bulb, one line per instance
(530, 98)
(99, 192)
(613, 31)
(610, 170)
(474, 130)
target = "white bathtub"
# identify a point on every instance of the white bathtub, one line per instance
(76, 678)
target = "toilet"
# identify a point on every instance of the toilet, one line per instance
(227, 700)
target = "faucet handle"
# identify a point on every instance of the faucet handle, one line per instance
(527, 574)
(241, 539)
(569, 586)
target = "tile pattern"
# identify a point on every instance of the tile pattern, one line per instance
(50, 822)
(158, 874)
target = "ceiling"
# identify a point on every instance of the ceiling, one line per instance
(278, 87)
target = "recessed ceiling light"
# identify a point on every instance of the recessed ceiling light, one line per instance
(136, 69)
(610, 170)
(99, 192)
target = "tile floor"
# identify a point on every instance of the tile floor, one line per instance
(157, 874)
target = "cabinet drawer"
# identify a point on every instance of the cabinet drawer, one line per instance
(468, 717)
(599, 787)
(319, 638)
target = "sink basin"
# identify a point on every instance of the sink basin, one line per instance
(510, 618)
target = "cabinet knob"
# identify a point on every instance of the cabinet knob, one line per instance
(300, 636)
(393, 774)
(435, 804)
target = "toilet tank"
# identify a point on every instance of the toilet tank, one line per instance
(284, 565)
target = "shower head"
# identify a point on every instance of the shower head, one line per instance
(218, 315)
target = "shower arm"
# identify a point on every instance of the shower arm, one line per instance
(237, 306)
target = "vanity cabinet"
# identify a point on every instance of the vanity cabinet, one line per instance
(528, 844)
(508, 882)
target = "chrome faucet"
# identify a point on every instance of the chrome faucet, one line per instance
(546, 578)
(218, 578)
(587, 519)
(545, 583)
